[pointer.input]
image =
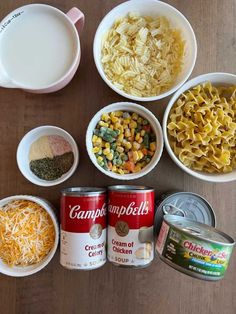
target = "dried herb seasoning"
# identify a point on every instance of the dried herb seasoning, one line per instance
(52, 168)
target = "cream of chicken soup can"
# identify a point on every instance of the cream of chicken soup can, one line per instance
(130, 225)
(83, 228)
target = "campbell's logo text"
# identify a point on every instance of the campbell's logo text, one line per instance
(77, 213)
(131, 209)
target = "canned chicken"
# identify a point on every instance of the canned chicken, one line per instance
(130, 225)
(185, 204)
(83, 228)
(193, 248)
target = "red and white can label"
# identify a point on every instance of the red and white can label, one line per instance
(83, 231)
(130, 228)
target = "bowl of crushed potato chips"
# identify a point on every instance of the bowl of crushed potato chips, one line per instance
(29, 235)
(144, 50)
(199, 127)
(124, 141)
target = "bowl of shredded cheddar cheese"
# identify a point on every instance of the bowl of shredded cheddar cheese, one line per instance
(199, 127)
(28, 235)
(144, 50)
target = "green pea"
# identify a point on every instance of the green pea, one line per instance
(96, 132)
(108, 138)
(111, 132)
(146, 140)
(113, 146)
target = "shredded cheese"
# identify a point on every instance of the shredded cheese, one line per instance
(27, 233)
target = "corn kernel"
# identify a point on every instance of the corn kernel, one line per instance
(126, 171)
(107, 145)
(137, 168)
(140, 120)
(140, 154)
(120, 138)
(134, 116)
(96, 150)
(94, 138)
(120, 149)
(118, 113)
(127, 133)
(120, 171)
(102, 123)
(113, 168)
(136, 146)
(114, 119)
(142, 132)
(153, 146)
(128, 145)
(106, 151)
(105, 117)
(137, 136)
(140, 140)
(109, 156)
(99, 158)
(133, 124)
(135, 156)
(132, 132)
(126, 121)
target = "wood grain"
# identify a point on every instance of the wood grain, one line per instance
(157, 289)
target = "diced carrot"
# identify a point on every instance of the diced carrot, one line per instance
(144, 151)
(147, 128)
(109, 164)
(130, 155)
(129, 165)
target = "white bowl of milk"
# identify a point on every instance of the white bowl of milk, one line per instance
(39, 48)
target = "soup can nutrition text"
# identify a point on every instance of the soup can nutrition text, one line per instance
(83, 228)
(184, 204)
(193, 248)
(130, 225)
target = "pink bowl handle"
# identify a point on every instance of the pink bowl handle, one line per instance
(77, 18)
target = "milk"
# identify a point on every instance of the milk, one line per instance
(37, 48)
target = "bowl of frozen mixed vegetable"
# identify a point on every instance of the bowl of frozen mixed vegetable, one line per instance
(124, 140)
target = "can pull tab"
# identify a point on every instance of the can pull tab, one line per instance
(170, 209)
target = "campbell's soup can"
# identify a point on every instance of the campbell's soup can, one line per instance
(130, 225)
(83, 228)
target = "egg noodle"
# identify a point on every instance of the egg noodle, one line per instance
(202, 128)
(27, 233)
(142, 55)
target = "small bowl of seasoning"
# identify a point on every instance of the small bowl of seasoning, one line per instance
(124, 141)
(47, 155)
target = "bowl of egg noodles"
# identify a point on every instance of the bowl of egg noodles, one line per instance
(144, 50)
(199, 127)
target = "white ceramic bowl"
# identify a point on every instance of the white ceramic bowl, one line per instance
(23, 149)
(19, 271)
(143, 112)
(151, 8)
(215, 79)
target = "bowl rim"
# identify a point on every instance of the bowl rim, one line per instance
(33, 179)
(42, 264)
(215, 178)
(158, 131)
(124, 94)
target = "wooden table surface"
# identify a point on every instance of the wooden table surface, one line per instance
(158, 289)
